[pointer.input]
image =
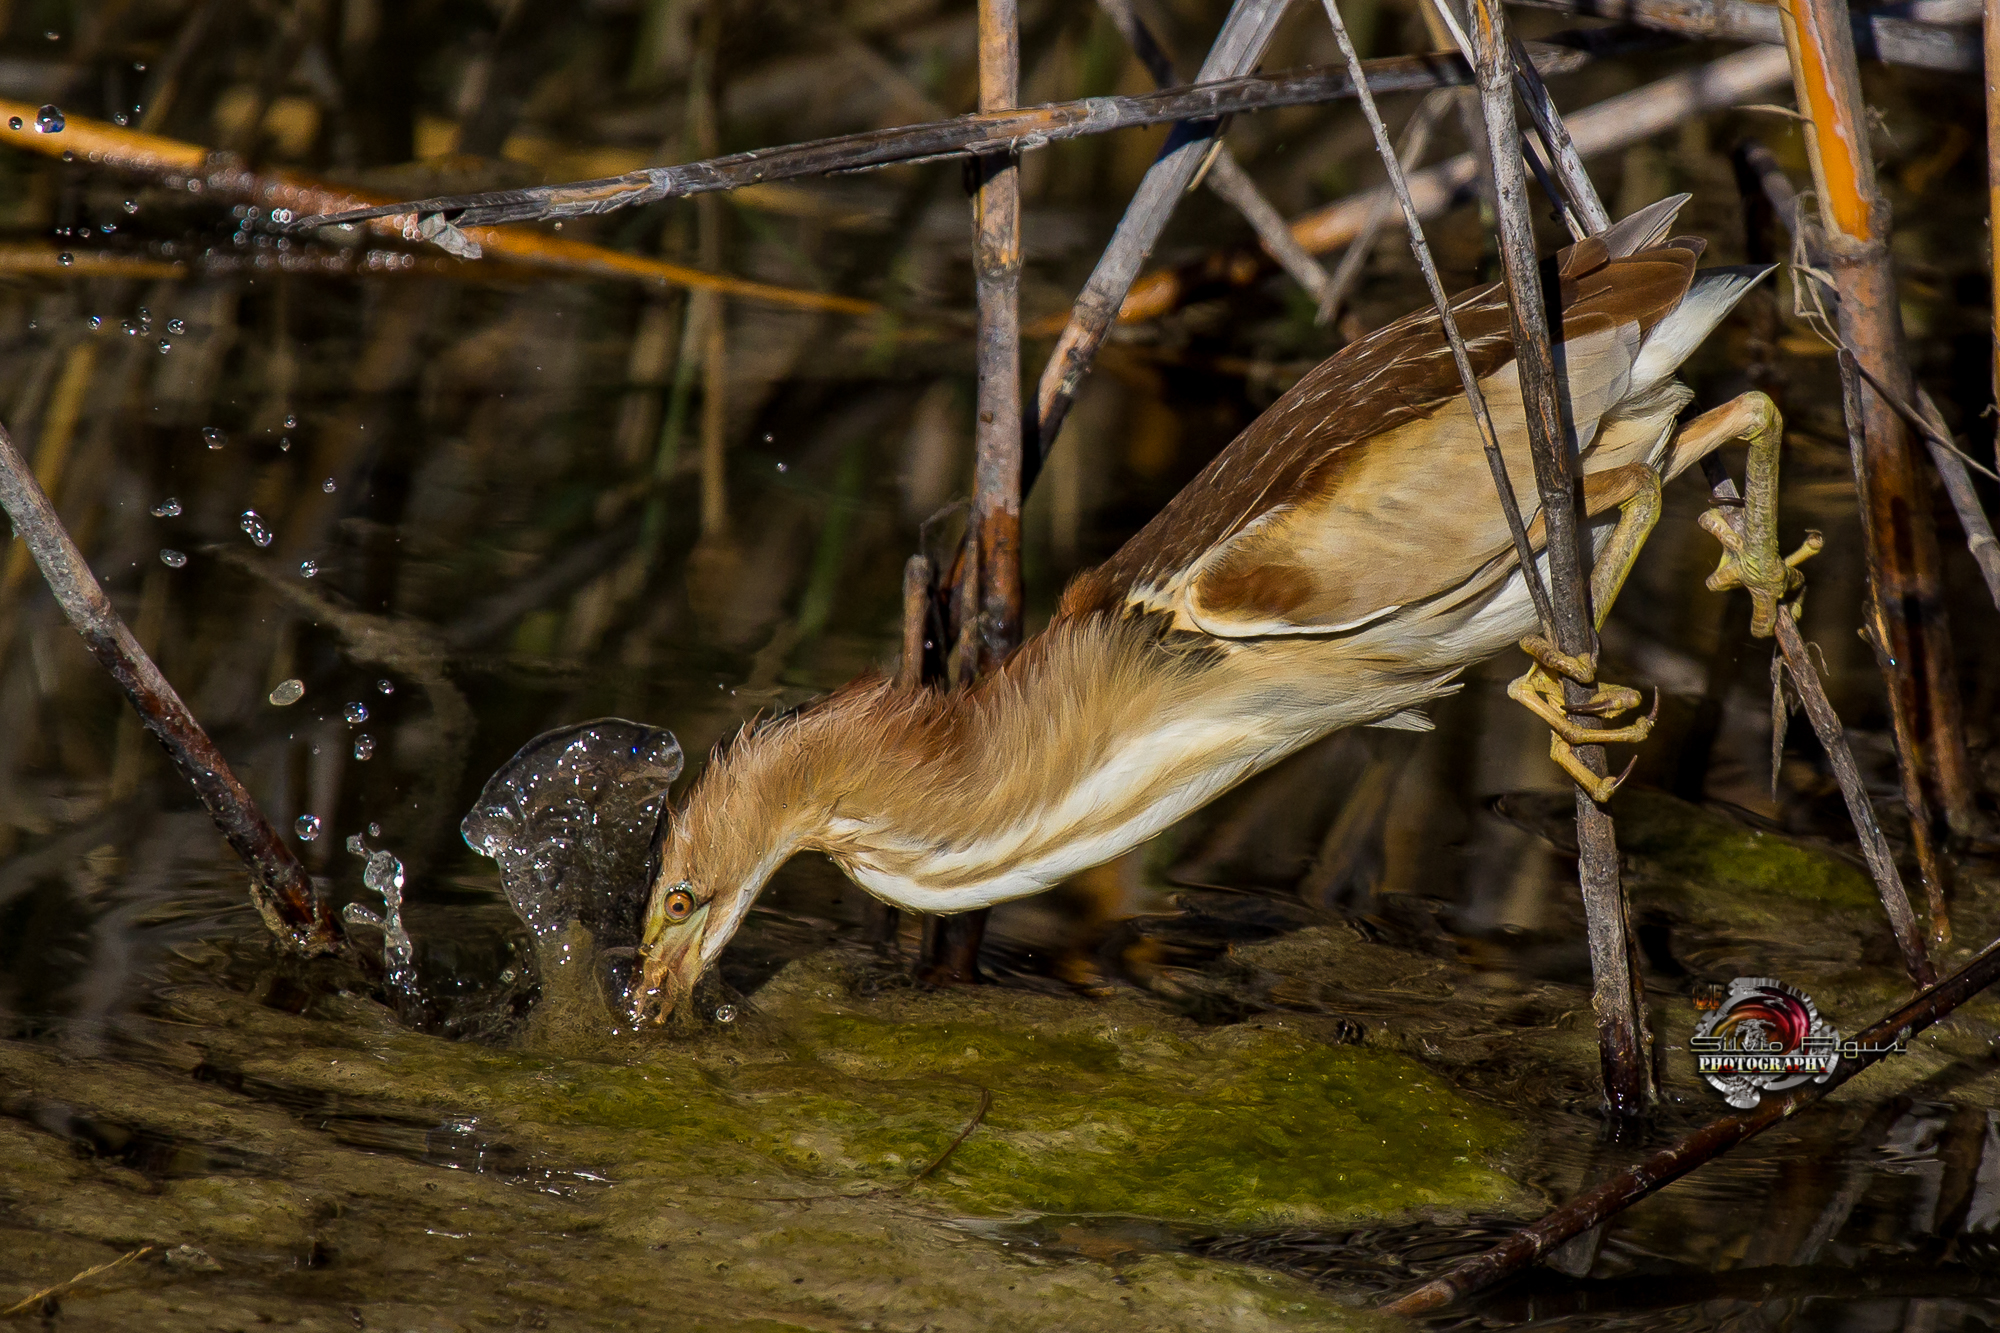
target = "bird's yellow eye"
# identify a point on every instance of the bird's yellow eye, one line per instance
(679, 905)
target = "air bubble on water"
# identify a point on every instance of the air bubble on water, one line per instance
(167, 508)
(364, 746)
(291, 422)
(385, 686)
(65, 259)
(49, 120)
(253, 523)
(329, 485)
(176, 326)
(308, 569)
(308, 826)
(172, 559)
(214, 438)
(288, 692)
(356, 713)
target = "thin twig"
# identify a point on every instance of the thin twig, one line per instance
(1833, 739)
(1226, 176)
(193, 168)
(1604, 127)
(1878, 35)
(23, 1306)
(1613, 1196)
(1623, 1039)
(1489, 438)
(1237, 49)
(298, 919)
(1214, 97)
(1410, 149)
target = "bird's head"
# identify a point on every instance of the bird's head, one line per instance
(690, 916)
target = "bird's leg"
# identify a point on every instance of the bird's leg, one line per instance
(1635, 488)
(1750, 559)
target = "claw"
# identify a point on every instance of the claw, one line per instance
(1599, 789)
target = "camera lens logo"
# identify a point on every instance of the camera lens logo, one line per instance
(1763, 1036)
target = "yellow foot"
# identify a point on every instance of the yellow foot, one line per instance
(1541, 693)
(1752, 563)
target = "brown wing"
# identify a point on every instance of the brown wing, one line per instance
(1365, 487)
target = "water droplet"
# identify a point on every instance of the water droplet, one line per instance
(145, 315)
(284, 444)
(289, 692)
(118, 118)
(53, 35)
(355, 845)
(49, 120)
(725, 1013)
(172, 559)
(308, 569)
(165, 347)
(781, 467)
(308, 826)
(176, 326)
(356, 713)
(329, 485)
(364, 746)
(291, 422)
(13, 122)
(167, 508)
(97, 321)
(214, 438)
(253, 524)
(131, 329)
(386, 686)
(130, 206)
(65, 259)
(68, 156)
(374, 830)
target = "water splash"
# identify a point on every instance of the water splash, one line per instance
(384, 877)
(571, 820)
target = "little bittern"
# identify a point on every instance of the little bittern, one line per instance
(1339, 564)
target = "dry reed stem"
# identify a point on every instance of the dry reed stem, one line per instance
(1624, 1044)
(1992, 53)
(67, 1284)
(1904, 565)
(1410, 150)
(1884, 37)
(1226, 176)
(296, 916)
(1669, 1164)
(1606, 126)
(1833, 739)
(1488, 436)
(1016, 130)
(191, 167)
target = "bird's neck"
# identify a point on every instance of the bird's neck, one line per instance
(1090, 739)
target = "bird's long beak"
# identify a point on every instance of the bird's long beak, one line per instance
(671, 951)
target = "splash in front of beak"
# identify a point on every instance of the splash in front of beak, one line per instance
(671, 961)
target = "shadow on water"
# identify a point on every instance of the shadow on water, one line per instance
(386, 519)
